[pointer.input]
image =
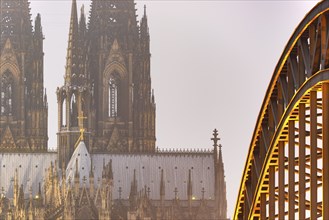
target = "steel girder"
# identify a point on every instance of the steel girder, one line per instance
(286, 175)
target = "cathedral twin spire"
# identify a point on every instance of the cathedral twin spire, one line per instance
(107, 77)
(75, 52)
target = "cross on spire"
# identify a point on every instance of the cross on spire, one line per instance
(82, 130)
(215, 139)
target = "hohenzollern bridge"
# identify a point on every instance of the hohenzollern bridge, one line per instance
(286, 174)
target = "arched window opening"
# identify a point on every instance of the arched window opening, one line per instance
(74, 111)
(6, 94)
(63, 116)
(113, 96)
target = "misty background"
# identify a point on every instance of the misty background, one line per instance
(211, 64)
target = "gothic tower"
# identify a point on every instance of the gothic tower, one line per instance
(74, 97)
(108, 81)
(23, 102)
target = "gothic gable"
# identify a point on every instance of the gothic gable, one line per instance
(116, 54)
(84, 198)
(8, 59)
(87, 208)
(115, 61)
(85, 212)
(115, 142)
(7, 140)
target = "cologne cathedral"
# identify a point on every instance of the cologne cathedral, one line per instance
(106, 165)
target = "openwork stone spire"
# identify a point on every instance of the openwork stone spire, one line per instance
(71, 59)
(15, 23)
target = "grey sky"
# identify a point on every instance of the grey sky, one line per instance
(211, 65)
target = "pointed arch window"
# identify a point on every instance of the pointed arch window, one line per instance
(6, 94)
(74, 111)
(113, 96)
(63, 113)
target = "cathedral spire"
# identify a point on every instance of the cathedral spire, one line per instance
(144, 25)
(82, 21)
(71, 59)
(38, 27)
(133, 193)
(220, 190)
(144, 34)
(21, 200)
(215, 139)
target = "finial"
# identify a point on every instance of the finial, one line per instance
(145, 191)
(153, 100)
(120, 191)
(189, 185)
(110, 172)
(176, 192)
(39, 192)
(203, 191)
(82, 10)
(37, 26)
(148, 192)
(144, 10)
(162, 184)
(215, 138)
(2, 192)
(134, 175)
(30, 190)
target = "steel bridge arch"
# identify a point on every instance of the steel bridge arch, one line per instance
(286, 174)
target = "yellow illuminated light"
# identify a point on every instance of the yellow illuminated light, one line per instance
(278, 69)
(193, 198)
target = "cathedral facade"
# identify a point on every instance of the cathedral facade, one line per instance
(108, 82)
(106, 165)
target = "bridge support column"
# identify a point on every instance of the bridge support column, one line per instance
(281, 180)
(325, 152)
(272, 192)
(302, 161)
(314, 155)
(263, 206)
(291, 169)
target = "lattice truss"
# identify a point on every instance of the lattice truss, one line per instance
(286, 175)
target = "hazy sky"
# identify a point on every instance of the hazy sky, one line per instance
(210, 67)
